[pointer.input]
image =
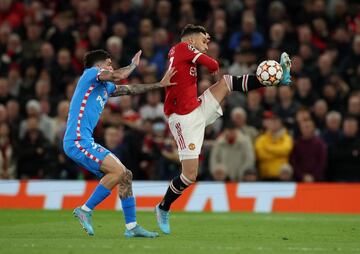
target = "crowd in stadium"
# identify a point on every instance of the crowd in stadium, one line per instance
(305, 132)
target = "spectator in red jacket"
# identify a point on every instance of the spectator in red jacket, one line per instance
(309, 155)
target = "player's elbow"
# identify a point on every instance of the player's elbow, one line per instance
(214, 66)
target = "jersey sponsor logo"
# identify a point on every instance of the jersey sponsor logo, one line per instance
(101, 101)
(192, 146)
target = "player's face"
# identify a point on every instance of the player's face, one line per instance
(106, 65)
(200, 42)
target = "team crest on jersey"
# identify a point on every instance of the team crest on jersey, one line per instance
(192, 146)
(100, 149)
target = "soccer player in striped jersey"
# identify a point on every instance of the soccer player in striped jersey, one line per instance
(91, 94)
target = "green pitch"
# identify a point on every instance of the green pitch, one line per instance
(58, 232)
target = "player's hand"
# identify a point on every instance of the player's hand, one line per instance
(167, 77)
(136, 59)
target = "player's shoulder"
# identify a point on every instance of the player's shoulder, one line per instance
(182, 48)
(89, 72)
(186, 46)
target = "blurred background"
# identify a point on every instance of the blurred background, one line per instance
(308, 132)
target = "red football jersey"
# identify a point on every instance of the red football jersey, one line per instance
(183, 98)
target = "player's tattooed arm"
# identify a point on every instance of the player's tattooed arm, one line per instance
(142, 88)
(125, 185)
(122, 73)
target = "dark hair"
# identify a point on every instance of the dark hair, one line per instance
(94, 56)
(192, 29)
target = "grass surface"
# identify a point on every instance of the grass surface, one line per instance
(58, 232)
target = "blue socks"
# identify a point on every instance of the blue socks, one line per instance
(129, 208)
(99, 194)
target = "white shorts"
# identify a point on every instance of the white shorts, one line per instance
(188, 130)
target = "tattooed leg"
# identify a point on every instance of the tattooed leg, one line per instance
(125, 185)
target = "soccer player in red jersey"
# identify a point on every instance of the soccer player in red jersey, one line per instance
(188, 114)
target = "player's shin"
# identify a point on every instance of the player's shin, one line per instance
(127, 200)
(244, 83)
(99, 194)
(175, 189)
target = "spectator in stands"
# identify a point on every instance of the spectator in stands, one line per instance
(332, 133)
(309, 155)
(273, 149)
(353, 107)
(3, 114)
(5, 96)
(58, 123)
(344, 157)
(33, 43)
(94, 35)
(248, 32)
(8, 153)
(63, 72)
(254, 109)
(153, 108)
(46, 59)
(114, 140)
(114, 45)
(238, 117)
(269, 99)
(33, 110)
(234, 151)
(61, 34)
(13, 118)
(35, 156)
(14, 78)
(304, 93)
(320, 110)
(287, 107)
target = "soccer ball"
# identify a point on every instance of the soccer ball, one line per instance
(269, 73)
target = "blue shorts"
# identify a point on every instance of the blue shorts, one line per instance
(87, 154)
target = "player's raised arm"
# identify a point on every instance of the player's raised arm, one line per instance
(142, 88)
(122, 73)
(197, 40)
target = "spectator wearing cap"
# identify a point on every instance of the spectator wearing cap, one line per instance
(344, 157)
(309, 156)
(33, 110)
(234, 151)
(273, 149)
(238, 117)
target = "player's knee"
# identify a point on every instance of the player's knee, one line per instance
(125, 176)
